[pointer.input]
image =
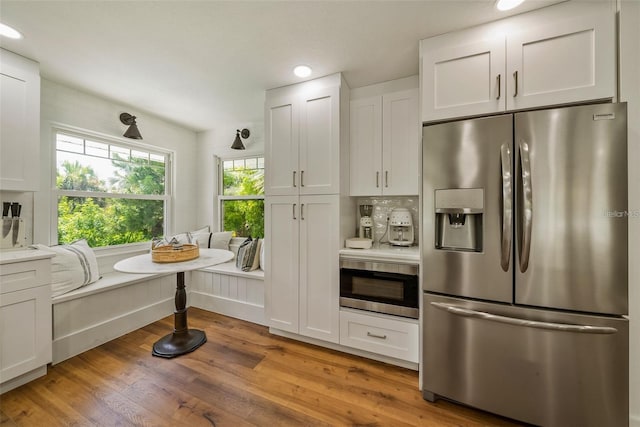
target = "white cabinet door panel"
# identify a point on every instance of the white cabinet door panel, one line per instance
(25, 331)
(319, 281)
(365, 165)
(320, 142)
(463, 80)
(281, 256)
(282, 156)
(569, 61)
(401, 144)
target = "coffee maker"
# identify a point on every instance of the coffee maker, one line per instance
(366, 222)
(400, 227)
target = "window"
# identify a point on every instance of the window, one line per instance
(110, 193)
(241, 200)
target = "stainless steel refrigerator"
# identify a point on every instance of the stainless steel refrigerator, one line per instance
(524, 255)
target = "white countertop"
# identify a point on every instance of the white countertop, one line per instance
(23, 255)
(384, 252)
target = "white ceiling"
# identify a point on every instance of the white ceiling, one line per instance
(198, 63)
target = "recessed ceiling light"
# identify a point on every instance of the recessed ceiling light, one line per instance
(507, 4)
(302, 71)
(7, 31)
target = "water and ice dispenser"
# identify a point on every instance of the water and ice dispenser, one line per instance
(458, 221)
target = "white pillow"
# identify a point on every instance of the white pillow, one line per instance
(219, 240)
(193, 236)
(72, 267)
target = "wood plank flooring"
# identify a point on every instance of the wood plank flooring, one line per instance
(243, 376)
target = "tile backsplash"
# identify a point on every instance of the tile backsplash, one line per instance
(382, 207)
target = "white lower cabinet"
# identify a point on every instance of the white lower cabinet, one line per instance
(302, 276)
(25, 321)
(381, 334)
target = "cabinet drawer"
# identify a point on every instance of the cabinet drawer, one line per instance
(380, 334)
(24, 275)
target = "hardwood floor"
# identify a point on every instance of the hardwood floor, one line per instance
(243, 376)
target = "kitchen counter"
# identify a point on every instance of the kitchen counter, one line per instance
(384, 252)
(8, 257)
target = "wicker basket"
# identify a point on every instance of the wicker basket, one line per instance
(168, 253)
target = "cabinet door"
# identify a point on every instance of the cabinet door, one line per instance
(19, 123)
(320, 142)
(365, 160)
(319, 268)
(569, 61)
(281, 146)
(281, 256)
(462, 80)
(401, 132)
(25, 331)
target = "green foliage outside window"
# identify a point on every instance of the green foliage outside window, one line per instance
(110, 221)
(243, 216)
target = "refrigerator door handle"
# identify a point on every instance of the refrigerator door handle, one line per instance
(563, 327)
(507, 208)
(527, 211)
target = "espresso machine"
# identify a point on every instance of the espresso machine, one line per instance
(400, 227)
(366, 222)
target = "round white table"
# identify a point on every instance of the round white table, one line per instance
(182, 340)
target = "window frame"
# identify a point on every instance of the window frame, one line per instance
(221, 197)
(167, 197)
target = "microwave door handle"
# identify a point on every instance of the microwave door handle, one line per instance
(507, 208)
(527, 204)
(550, 326)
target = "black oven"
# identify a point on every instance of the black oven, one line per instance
(383, 287)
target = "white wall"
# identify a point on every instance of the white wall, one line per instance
(64, 105)
(217, 143)
(630, 92)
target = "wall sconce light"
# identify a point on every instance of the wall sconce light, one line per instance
(237, 143)
(130, 121)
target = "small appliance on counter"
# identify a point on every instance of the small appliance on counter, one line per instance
(366, 222)
(400, 227)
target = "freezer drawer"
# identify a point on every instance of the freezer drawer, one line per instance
(542, 367)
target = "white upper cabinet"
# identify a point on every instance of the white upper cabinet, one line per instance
(19, 122)
(385, 144)
(568, 61)
(462, 78)
(557, 55)
(303, 141)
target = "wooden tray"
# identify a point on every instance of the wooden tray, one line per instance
(168, 253)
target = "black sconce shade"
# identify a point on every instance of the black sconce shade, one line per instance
(132, 132)
(237, 143)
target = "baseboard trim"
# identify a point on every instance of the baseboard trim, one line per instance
(228, 307)
(94, 335)
(23, 379)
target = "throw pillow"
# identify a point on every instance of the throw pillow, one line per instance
(220, 240)
(72, 267)
(262, 261)
(247, 254)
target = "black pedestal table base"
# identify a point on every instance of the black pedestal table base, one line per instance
(182, 340)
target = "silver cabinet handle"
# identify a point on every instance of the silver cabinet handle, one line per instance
(302, 211)
(377, 179)
(294, 179)
(386, 179)
(498, 78)
(507, 209)
(515, 77)
(527, 201)
(301, 178)
(372, 335)
(294, 211)
(564, 327)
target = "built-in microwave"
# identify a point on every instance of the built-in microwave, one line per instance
(383, 287)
